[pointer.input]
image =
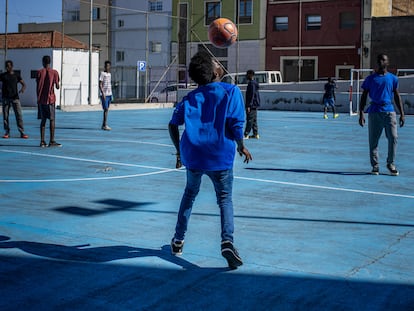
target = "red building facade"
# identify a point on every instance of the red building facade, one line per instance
(313, 39)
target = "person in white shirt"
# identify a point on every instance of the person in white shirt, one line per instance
(106, 93)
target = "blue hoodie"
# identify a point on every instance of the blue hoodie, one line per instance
(213, 115)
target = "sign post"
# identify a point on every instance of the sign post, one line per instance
(141, 67)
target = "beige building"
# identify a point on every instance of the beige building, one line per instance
(374, 9)
(76, 15)
(382, 8)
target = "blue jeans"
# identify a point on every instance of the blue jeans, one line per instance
(223, 186)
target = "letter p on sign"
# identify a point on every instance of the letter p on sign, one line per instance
(142, 65)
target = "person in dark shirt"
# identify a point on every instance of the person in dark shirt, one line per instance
(10, 95)
(252, 104)
(329, 98)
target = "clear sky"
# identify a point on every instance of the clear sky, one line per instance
(29, 11)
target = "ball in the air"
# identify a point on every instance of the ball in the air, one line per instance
(222, 32)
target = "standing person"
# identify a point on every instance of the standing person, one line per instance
(10, 95)
(329, 98)
(47, 79)
(213, 115)
(106, 93)
(382, 88)
(252, 103)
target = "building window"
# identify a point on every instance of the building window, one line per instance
(120, 56)
(245, 11)
(156, 47)
(313, 22)
(212, 11)
(347, 20)
(73, 15)
(120, 23)
(96, 14)
(154, 6)
(280, 23)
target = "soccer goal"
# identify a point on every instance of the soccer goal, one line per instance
(357, 75)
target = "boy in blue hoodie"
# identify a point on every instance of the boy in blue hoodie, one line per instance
(213, 115)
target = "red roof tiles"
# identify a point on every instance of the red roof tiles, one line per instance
(48, 39)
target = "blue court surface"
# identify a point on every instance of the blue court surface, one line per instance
(87, 226)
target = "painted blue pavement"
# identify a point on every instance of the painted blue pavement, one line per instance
(87, 226)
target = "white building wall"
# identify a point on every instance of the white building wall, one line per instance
(134, 31)
(74, 77)
(28, 61)
(239, 55)
(244, 61)
(70, 5)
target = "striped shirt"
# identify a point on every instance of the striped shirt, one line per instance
(105, 78)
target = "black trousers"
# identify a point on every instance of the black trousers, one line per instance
(251, 122)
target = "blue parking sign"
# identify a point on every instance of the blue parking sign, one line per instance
(142, 65)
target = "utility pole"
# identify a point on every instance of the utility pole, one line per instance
(90, 53)
(146, 56)
(238, 39)
(5, 31)
(300, 62)
(61, 54)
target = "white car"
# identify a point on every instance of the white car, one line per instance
(168, 94)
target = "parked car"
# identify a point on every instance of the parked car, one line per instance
(263, 77)
(168, 94)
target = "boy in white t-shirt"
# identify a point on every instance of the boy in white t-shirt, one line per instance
(106, 93)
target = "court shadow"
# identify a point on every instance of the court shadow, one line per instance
(294, 219)
(60, 277)
(85, 253)
(294, 170)
(111, 206)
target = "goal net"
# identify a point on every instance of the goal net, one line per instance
(357, 76)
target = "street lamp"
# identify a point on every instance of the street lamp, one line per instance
(5, 31)
(90, 53)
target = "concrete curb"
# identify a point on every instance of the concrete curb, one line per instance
(117, 106)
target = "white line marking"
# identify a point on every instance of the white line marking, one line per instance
(326, 187)
(85, 179)
(166, 170)
(161, 169)
(120, 141)
(83, 160)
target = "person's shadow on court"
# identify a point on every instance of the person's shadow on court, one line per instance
(295, 170)
(84, 253)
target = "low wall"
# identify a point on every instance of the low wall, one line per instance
(312, 101)
(299, 101)
(307, 96)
